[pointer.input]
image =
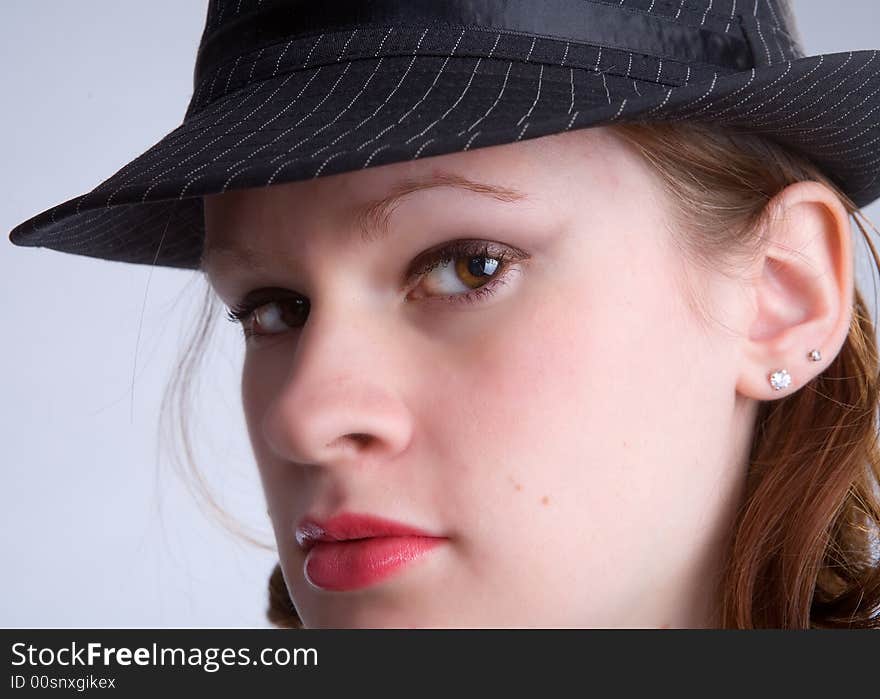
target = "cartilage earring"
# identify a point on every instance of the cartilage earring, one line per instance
(780, 379)
(815, 355)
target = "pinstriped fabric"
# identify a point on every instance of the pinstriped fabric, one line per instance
(338, 101)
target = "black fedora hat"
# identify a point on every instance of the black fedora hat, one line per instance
(287, 90)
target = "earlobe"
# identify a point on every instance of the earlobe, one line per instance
(803, 292)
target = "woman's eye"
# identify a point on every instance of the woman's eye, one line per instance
(464, 271)
(459, 272)
(270, 316)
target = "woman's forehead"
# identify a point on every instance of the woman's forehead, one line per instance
(518, 167)
(562, 174)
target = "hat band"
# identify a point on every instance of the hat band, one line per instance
(580, 21)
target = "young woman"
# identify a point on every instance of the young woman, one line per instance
(550, 317)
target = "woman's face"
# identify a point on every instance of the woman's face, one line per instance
(572, 436)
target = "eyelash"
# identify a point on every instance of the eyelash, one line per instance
(241, 313)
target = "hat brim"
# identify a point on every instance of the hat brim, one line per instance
(363, 113)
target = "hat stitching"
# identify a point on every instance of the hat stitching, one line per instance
(310, 136)
(363, 121)
(761, 36)
(302, 141)
(199, 103)
(718, 20)
(824, 112)
(179, 136)
(457, 101)
(130, 172)
(765, 120)
(156, 181)
(231, 128)
(729, 21)
(199, 99)
(494, 104)
(862, 146)
(290, 104)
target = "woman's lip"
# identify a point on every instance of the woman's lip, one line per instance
(349, 525)
(358, 563)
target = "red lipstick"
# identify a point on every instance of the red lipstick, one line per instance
(351, 551)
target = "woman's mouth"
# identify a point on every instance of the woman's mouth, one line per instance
(350, 551)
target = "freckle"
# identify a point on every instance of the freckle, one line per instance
(545, 500)
(518, 486)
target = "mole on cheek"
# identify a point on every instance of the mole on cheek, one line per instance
(517, 486)
(545, 500)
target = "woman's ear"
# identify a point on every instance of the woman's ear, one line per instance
(802, 290)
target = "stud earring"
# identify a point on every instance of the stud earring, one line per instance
(780, 379)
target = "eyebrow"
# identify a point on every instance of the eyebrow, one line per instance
(372, 218)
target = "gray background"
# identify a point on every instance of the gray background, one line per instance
(97, 529)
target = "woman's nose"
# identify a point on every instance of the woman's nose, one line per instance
(340, 401)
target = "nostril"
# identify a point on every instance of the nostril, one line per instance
(361, 438)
